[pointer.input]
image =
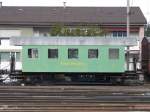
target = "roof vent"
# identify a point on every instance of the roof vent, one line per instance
(20, 9)
(1, 4)
(64, 3)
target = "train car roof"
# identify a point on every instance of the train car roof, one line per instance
(124, 41)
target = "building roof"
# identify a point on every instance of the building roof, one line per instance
(69, 15)
(73, 41)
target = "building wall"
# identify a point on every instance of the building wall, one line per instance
(24, 31)
(6, 50)
(141, 32)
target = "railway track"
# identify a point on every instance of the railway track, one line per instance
(73, 99)
(75, 107)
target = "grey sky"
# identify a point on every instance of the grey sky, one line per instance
(143, 4)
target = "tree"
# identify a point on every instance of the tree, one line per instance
(59, 30)
(147, 31)
(56, 30)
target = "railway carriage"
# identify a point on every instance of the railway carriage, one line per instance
(74, 59)
(146, 56)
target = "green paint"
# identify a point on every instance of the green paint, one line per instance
(82, 64)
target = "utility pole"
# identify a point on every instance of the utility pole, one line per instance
(128, 18)
(128, 33)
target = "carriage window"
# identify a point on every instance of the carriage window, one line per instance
(72, 53)
(52, 53)
(33, 53)
(92, 53)
(113, 53)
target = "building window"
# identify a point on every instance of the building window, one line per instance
(18, 57)
(93, 53)
(115, 34)
(44, 31)
(4, 56)
(52, 53)
(45, 34)
(72, 53)
(5, 42)
(113, 53)
(124, 34)
(33, 53)
(119, 34)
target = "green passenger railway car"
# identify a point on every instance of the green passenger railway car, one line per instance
(74, 59)
(71, 58)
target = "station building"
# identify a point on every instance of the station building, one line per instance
(38, 21)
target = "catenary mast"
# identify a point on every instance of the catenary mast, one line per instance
(128, 32)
